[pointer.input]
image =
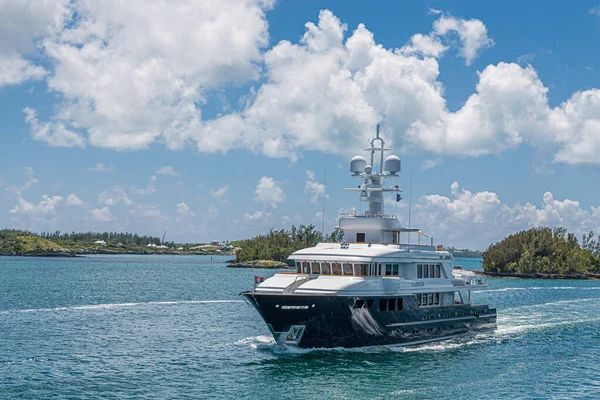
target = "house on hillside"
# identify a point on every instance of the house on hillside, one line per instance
(100, 242)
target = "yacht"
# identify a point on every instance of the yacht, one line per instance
(371, 289)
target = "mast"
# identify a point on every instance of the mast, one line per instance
(373, 176)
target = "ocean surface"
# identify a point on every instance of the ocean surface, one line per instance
(161, 327)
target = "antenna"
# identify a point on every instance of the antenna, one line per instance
(324, 197)
(409, 204)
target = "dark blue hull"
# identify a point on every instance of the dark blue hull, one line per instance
(337, 321)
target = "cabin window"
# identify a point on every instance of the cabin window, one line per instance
(419, 271)
(336, 268)
(361, 269)
(299, 267)
(458, 298)
(395, 270)
(382, 304)
(305, 267)
(391, 304)
(369, 303)
(432, 271)
(360, 237)
(388, 269)
(436, 298)
(419, 299)
(380, 269)
(347, 269)
(315, 269)
(430, 299)
(326, 268)
(395, 237)
(437, 271)
(400, 304)
(425, 271)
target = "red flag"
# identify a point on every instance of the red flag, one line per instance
(258, 279)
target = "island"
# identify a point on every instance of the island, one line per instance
(544, 253)
(56, 244)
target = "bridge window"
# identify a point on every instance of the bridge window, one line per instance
(395, 237)
(305, 267)
(425, 271)
(361, 269)
(400, 303)
(391, 304)
(419, 271)
(326, 268)
(382, 304)
(347, 269)
(359, 304)
(395, 270)
(437, 271)
(360, 237)
(418, 299)
(436, 298)
(430, 299)
(336, 268)
(369, 303)
(315, 269)
(388, 269)
(299, 267)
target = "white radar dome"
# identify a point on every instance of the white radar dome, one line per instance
(368, 169)
(357, 165)
(392, 164)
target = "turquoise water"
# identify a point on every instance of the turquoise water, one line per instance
(161, 327)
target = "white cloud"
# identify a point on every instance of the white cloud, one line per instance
(101, 215)
(314, 188)
(46, 207)
(54, 134)
(74, 201)
(595, 11)
(100, 167)
(426, 45)
(183, 209)
(479, 219)
(131, 72)
(432, 163)
(268, 191)
(148, 190)
(167, 171)
(220, 192)
(21, 24)
(472, 34)
(258, 217)
(114, 195)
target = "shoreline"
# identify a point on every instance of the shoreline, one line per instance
(539, 275)
(71, 254)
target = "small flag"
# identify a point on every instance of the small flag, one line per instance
(398, 197)
(258, 279)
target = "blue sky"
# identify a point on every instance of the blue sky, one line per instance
(218, 119)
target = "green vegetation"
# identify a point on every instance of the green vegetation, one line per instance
(545, 251)
(28, 243)
(277, 245)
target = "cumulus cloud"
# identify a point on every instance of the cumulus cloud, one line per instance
(314, 188)
(472, 34)
(100, 167)
(135, 71)
(183, 209)
(45, 208)
(269, 191)
(53, 134)
(478, 219)
(100, 215)
(167, 170)
(74, 201)
(258, 217)
(219, 193)
(113, 196)
(22, 23)
(148, 190)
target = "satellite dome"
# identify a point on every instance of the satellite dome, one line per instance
(392, 164)
(368, 169)
(357, 165)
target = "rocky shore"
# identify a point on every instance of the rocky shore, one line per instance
(263, 264)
